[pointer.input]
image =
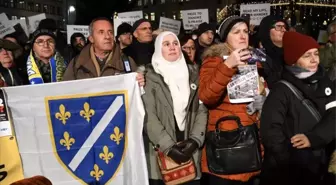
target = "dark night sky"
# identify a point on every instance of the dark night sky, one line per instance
(90, 9)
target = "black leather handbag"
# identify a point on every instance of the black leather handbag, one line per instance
(233, 152)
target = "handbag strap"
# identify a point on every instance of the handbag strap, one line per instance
(306, 102)
(227, 118)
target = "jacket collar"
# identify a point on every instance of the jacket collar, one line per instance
(87, 59)
(193, 83)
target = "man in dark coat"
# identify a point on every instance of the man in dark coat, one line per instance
(271, 31)
(142, 47)
(206, 34)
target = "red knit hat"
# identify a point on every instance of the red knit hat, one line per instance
(295, 45)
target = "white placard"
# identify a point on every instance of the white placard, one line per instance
(323, 37)
(5, 27)
(170, 25)
(193, 18)
(71, 29)
(257, 11)
(23, 24)
(34, 21)
(117, 22)
(131, 15)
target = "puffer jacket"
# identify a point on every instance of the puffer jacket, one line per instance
(214, 78)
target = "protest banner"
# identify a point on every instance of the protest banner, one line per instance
(71, 29)
(34, 21)
(170, 25)
(256, 11)
(5, 27)
(81, 132)
(193, 18)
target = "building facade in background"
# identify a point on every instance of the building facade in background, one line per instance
(21, 9)
(154, 9)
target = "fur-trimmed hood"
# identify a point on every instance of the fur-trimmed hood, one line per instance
(217, 50)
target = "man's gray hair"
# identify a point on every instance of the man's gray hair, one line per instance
(95, 20)
(331, 27)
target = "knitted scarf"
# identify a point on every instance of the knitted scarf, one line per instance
(57, 66)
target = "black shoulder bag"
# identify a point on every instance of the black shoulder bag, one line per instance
(306, 102)
(233, 152)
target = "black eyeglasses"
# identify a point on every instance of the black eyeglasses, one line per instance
(41, 42)
(280, 27)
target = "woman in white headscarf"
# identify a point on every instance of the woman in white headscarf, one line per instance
(175, 120)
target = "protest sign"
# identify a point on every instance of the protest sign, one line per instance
(23, 24)
(323, 37)
(5, 27)
(256, 11)
(193, 18)
(170, 25)
(34, 21)
(71, 29)
(131, 15)
(127, 17)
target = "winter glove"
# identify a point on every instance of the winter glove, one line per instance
(177, 155)
(256, 105)
(188, 147)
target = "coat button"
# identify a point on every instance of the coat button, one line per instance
(202, 133)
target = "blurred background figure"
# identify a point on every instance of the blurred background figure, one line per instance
(124, 35)
(8, 70)
(77, 42)
(206, 36)
(188, 47)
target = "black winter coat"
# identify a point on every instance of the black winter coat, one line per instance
(141, 52)
(284, 116)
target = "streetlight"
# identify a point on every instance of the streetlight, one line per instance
(72, 9)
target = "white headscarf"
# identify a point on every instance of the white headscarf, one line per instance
(176, 76)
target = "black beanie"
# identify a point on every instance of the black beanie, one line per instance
(204, 27)
(49, 24)
(138, 22)
(41, 32)
(124, 28)
(227, 25)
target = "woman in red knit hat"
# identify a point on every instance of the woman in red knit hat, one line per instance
(285, 115)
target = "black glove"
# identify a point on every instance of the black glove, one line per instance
(188, 146)
(177, 155)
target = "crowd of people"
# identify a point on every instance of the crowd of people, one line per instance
(185, 84)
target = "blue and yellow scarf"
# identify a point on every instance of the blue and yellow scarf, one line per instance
(57, 68)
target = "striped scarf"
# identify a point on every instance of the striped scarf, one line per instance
(57, 66)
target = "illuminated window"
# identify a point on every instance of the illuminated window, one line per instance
(153, 16)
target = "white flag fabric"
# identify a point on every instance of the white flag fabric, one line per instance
(81, 132)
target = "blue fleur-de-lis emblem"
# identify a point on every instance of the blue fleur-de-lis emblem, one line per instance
(89, 134)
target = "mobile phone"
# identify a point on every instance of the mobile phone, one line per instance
(246, 17)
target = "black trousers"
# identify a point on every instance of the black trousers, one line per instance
(214, 180)
(160, 182)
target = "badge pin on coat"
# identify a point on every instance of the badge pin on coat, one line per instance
(193, 86)
(328, 91)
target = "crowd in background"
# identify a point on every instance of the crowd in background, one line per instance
(185, 82)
